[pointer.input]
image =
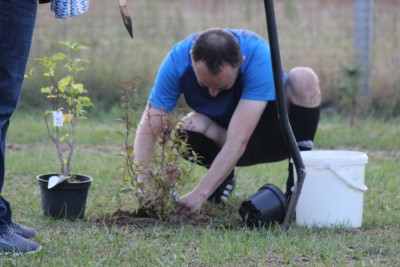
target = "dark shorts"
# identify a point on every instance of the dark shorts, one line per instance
(267, 143)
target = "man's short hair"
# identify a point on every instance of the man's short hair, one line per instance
(217, 47)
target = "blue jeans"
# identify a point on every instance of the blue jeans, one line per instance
(17, 21)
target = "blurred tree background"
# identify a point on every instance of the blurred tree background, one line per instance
(314, 33)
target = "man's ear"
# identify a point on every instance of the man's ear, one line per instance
(243, 58)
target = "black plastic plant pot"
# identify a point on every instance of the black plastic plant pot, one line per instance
(267, 206)
(66, 200)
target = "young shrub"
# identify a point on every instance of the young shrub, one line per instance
(63, 99)
(349, 90)
(166, 171)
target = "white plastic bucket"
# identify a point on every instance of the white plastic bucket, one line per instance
(333, 189)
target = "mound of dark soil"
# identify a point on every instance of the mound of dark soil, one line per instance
(225, 215)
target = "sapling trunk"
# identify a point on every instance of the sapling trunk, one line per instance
(71, 146)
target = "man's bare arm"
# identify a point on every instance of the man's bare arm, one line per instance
(241, 127)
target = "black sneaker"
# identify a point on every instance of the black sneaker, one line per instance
(222, 193)
(23, 231)
(13, 244)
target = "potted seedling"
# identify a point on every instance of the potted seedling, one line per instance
(64, 102)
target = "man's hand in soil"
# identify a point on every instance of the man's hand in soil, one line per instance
(190, 203)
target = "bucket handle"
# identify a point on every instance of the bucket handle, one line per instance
(350, 183)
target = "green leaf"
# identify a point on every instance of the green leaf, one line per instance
(121, 134)
(60, 56)
(121, 155)
(46, 90)
(64, 83)
(64, 137)
(129, 150)
(29, 74)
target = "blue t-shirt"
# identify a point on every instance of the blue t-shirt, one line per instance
(176, 76)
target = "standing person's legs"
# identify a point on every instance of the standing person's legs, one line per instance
(17, 21)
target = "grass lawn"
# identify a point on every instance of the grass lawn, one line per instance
(224, 241)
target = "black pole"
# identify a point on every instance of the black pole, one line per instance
(282, 111)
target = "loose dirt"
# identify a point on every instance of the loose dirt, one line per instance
(209, 214)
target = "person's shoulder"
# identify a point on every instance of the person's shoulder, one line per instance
(250, 42)
(180, 54)
(247, 35)
(252, 45)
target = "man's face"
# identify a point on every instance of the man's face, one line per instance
(215, 83)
